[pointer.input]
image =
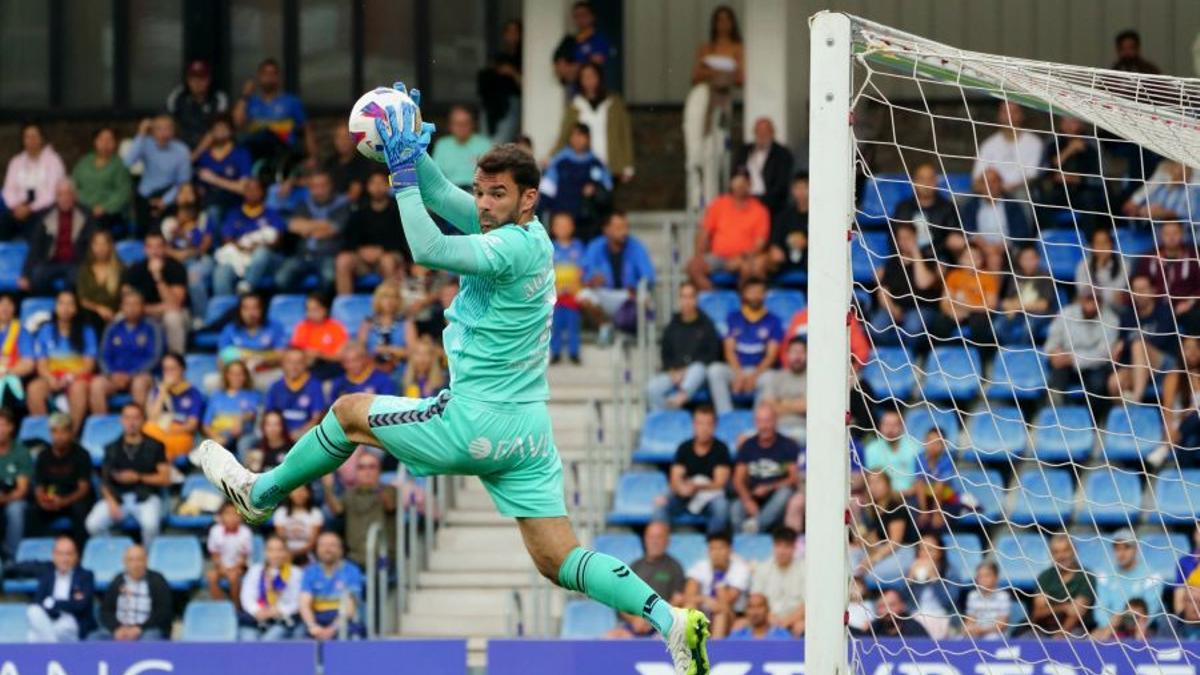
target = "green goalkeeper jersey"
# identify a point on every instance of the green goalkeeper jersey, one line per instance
(498, 327)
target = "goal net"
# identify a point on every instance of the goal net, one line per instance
(1022, 489)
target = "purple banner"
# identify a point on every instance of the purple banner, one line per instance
(444, 657)
(154, 658)
(639, 657)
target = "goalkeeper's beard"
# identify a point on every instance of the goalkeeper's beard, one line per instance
(489, 222)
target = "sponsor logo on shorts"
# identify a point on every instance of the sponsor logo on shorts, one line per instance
(521, 446)
(480, 448)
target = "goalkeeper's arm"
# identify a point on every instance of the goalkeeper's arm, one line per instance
(475, 254)
(445, 198)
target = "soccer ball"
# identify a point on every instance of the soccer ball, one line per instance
(372, 106)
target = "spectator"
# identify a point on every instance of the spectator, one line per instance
(272, 443)
(893, 452)
(249, 235)
(930, 212)
(367, 503)
(195, 103)
(1164, 197)
(769, 165)
(230, 543)
(319, 223)
(1071, 181)
(137, 605)
(603, 113)
(457, 153)
(568, 281)
(360, 375)
(909, 289)
(429, 310)
(1185, 596)
(133, 473)
(297, 523)
(894, 619)
(167, 166)
(886, 529)
(716, 583)
(272, 120)
(661, 571)
(62, 482)
(162, 281)
(254, 339)
(1066, 595)
(787, 250)
(99, 280)
(988, 607)
(764, 475)
(935, 483)
(780, 581)
(347, 167)
(586, 45)
(758, 625)
(732, 236)
(175, 408)
(1013, 151)
(1149, 343)
(129, 350)
(322, 338)
(1175, 270)
(930, 591)
(786, 391)
(1178, 402)
(30, 181)
(297, 395)
(103, 181)
(64, 349)
(578, 182)
(1081, 347)
(387, 333)
(270, 598)
(16, 468)
(55, 244)
(62, 608)
(689, 346)
(613, 265)
(751, 347)
(230, 412)
(330, 591)
(1028, 300)
(996, 215)
(499, 86)
(971, 293)
(720, 62)
(699, 476)
(424, 376)
(221, 170)
(1129, 54)
(374, 240)
(1104, 269)
(1130, 579)
(16, 354)
(1133, 624)
(189, 236)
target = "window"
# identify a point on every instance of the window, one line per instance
(326, 51)
(389, 51)
(255, 33)
(458, 49)
(155, 51)
(24, 54)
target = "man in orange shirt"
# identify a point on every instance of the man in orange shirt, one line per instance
(321, 338)
(733, 235)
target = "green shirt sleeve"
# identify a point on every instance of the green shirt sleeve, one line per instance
(118, 198)
(488, 255)
(445, 198)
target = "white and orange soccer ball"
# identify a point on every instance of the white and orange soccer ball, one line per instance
(373, 106)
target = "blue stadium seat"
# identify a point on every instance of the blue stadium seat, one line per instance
(662, 432)
(12, 260)
(1063, 433)
(218, 305)
(199, 521)
(754, 547)
(868, 252)
(34, 549)
(688, 548)
(35, 428)
(14, 623)
(995, 435)
(1111, 498)
(99, 431)
(723, 279)
(258, 547)
(1134, 241)
(785, 303)
(953, 373)
(1021, 557)
(287, 311)
(1044, 497)
(179, 559)
(880, 195)
(1093, 550)
(733, 424)
(1018, 375)
(955, 184)
(718, 305)
(1162, 550)
(624, 546)
(1133, 430)
(1062, 250)
(209, 621)
(586, 620)
(791, 279)
(633, 500)
(920, 419)
(986, 488)
(350, 310)
(131, 251)
(104, 557)
(890, 373)
(964, 552)
(33, 306)
(199, 367)
(1177, 497)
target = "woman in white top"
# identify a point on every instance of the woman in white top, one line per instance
(298, 522)
(270, 597)
(607, 119)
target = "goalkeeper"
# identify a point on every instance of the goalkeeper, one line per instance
(493, 421)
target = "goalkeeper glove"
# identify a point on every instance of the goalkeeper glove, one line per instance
(401, 144)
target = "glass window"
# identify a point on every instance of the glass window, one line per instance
(155, 51)
(326, 63)
(458, 47)
(87, 54)
(24, 54)
(256, 33)
(386, 58)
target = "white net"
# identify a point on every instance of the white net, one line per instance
(1025, 268)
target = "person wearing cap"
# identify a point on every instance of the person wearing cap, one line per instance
(62, 482)
(1130, 578)
(733, 235)
(195, 103)
(1081, 347)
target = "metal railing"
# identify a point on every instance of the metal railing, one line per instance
(374, 533)
(414, 551)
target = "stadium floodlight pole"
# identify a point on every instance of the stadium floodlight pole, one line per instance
(831, 172)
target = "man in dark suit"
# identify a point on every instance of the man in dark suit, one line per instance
(137, 604)
(62, 606)
(769, 164)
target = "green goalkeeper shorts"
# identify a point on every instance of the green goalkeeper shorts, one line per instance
(510, 447)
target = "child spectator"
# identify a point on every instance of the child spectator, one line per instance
(229, 546)
(320, 337)
(189, 236)
(248, 237)
(455, 154)
(577, 182)
(229, 415)
(987, 606)
(65, 350)
(387, 332)
(129, 349)
(298, 522)
(103, 181)
(423, 377)
(568, 276)
(297, 395)
(270, 598)
(30, 181)
(374, 239)
(221, 170)
(99, 280)
(175, 409)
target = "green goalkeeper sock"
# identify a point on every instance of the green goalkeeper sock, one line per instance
(609, 581)
(319, 451)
